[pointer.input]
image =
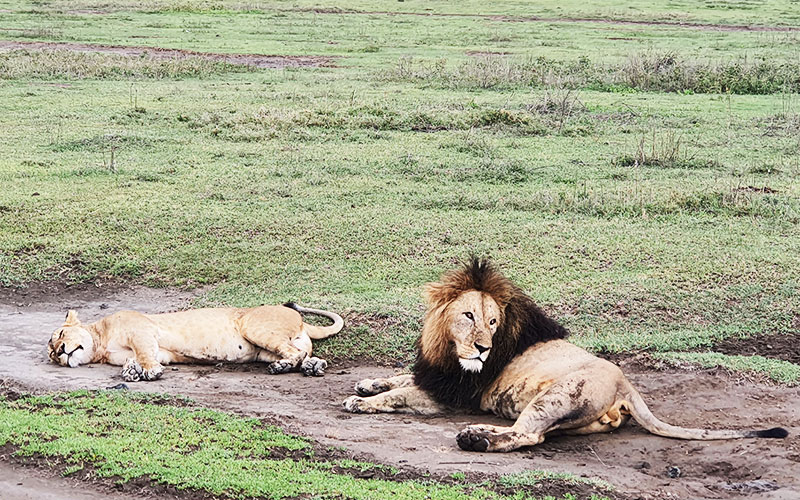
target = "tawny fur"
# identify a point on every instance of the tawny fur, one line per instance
(486, 346)
(143, 343)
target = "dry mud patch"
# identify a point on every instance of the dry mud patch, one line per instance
(634, 461)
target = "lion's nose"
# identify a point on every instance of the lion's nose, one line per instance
(481, 349)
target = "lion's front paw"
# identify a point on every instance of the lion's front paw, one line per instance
(369, 387)
(132, 371)
(473, 439)
(355, 404)
(313, 367)
(280, 366)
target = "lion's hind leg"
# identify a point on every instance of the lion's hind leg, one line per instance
(568, 404)
(612, 419)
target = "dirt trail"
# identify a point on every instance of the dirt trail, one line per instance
(255, 60)
(18, 482)
(630, 458)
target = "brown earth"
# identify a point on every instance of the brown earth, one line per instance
(255, 60)
(783, 347)
(636, 462)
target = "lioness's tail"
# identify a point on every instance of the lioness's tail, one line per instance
(646, 419)
(319, 332)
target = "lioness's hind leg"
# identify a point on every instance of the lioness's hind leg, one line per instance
(281, 337)
(313, 367)
(371, 387)
(289, 358)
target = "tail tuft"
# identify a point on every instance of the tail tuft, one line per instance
(775, 432)
(292, 305)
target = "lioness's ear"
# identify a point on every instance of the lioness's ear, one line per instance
(72, 319)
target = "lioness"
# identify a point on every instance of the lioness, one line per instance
(142, 343)
(486, 346)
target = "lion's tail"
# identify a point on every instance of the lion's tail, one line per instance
(319, 332)
(646, 419)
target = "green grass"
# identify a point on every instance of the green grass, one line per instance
(67, 65)
(124, 436)
(646, 216)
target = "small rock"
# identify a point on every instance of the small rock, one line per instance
(642, 465)
(673, 472)
(118, 387)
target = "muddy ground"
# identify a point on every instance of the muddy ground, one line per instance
(630, 458)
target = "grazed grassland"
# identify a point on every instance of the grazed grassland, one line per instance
(641, 182)
(167, 442)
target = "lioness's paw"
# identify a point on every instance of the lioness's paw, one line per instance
(132, 371)
(314, 367)
(154, 373)
(473, 439)
(280, 366)
(355, 404)
(369, 387)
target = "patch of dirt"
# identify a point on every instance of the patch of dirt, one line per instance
(19, 481)
(499, 17)
(753, 189)
(483, 53)
(783, 347)
(255, 60)
(636, 462)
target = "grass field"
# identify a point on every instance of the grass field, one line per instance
(121, 437)
(638, 178)
(644, 219)
(592, 161)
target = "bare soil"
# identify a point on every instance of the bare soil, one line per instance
(783, 347)
(255, 60)
(636, 462)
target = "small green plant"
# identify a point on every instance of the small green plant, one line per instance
(664, 150)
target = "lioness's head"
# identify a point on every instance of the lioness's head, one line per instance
(465, 310)
(71, 345)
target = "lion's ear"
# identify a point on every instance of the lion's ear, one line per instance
(437, 293)
(72, 319)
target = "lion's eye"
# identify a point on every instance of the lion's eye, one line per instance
(469, 315)
(492, 321)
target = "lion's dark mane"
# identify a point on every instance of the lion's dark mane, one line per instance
(524, 324)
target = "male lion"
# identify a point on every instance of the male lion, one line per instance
(142, 343)
(486, 346)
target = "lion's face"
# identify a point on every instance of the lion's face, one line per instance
(474, 317)
(71, 345)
